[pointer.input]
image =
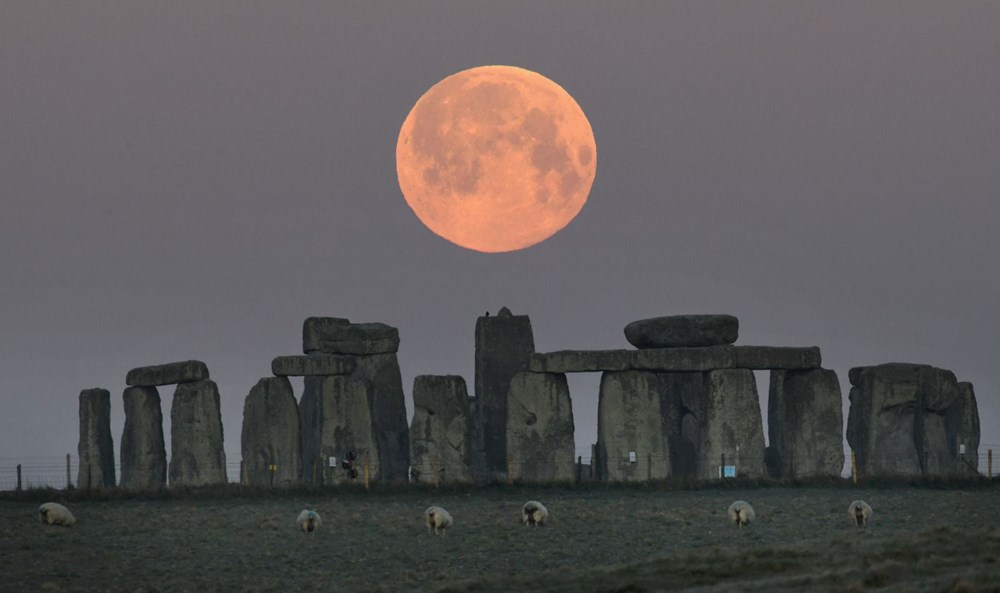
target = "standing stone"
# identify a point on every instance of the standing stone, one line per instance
(540, 428)
(143, 455)
(504, 345)
(962, 422)
(339, 422)
(310, 428)
(388, 409)
(271, 434)
(682, 330)
(805, 422)
(197, 457)
(683, 400)
(631, 439)
(732, 429)
(441, 430)
(96, 448)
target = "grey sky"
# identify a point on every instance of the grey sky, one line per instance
(193, 179)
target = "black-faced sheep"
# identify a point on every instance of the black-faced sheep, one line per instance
(53, 513)
(860, 513)
(437, 519)
(534, 513)
(308, 521)
(741, 513)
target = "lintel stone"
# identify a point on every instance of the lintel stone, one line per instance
(187, 371)
(312, 364)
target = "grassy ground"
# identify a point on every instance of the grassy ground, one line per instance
(600, 539)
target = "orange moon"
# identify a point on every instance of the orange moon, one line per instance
(496, 158)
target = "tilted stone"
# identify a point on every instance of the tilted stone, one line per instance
(143, 455)
(334, 335)
(197, 456)
(631, 438)
(167, 374)
(732, 431)
(684, 359)
(388, 408)
(441, 430)
(805, 422)
(504, 345)
(682, 330)
(776, 358)
(337, 420)
(540, 428)
(96, 447)
(270, 436)
(312, 364)
(580, 361)
(962, 422)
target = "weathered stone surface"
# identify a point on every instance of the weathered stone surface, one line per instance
(167, 374)
(143, 455)
(340, 421)
(732, 428)
(805, 421)
(631, 438)
(441, 430)
(962, 424)
(504, 345)
(683, 400)
(313, 364)
(388, 409)
(334, 335)
(776, 358)
(540, 428)
(96, 448)
(580, 361)
(897, 422)
(270, 434)
(197, 456)
(683, 330)
(684, 359)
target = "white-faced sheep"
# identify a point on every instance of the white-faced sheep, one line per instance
(308, 521)
(53, 513)
(741, 513)
(437, 519)
(534, 513)
(860, 513)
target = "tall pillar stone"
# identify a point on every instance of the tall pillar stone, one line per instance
(805, 422)
(683, 400)
(197, 457)
(539, 435)
(339, 421)
(631, 440)
(732, 429)
(96, 448)
(441, 430)
(504, 345)
(270, 435)
(962, 422)
(143, 455)
(388, 408)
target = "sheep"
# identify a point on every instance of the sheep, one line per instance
(860, 513)
(437, 520)
(53, 513)
(534, 513)
(308, 521)
(741, 513)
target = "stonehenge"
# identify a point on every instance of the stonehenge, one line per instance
(682, 404)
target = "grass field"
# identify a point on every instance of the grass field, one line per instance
(625, 539)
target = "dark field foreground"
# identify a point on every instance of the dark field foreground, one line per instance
(601, 539)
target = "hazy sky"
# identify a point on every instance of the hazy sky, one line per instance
(193, 179)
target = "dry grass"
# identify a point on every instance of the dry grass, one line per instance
(599, 539)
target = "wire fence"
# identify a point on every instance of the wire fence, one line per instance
(61, 471)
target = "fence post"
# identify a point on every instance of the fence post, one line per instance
(366, 472)
(69, 481)
(854, 467)
(19, 477)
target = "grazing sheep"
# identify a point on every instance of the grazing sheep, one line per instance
(741, 513)
(53, 513)
(437, 520)
(534, 513)
(308, 521)
(860, 513)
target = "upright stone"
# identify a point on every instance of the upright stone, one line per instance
(441, 430)
(197, 457)
(338, 426)
(682, 330)
(186, 371)
(388, 409)
(805, 422)
(96, 448)
(539, 433)
(143, 455)
(683, 402)
(504, 345)
(631, 438)
(962, 422)
(270, 437)
(732, 432)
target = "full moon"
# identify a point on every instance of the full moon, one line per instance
(496, 158)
